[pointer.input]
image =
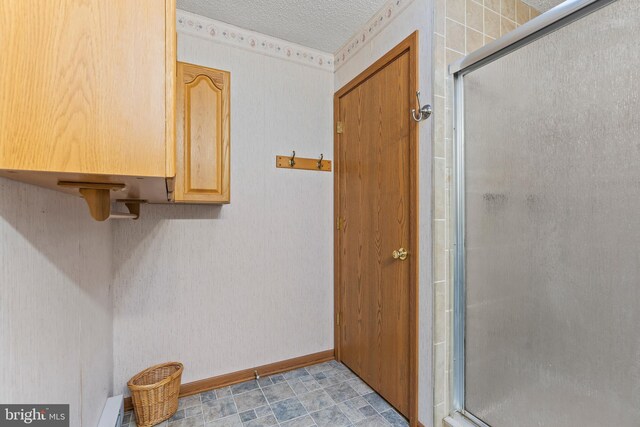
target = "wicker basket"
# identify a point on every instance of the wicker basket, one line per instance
(154, 393)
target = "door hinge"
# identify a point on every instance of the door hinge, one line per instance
(338, 319)
(340, 127)
(339, 223)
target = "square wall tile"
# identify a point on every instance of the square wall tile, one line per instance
(439, 251)
(475, 15)
(508, 9)
(452, 56)
(440, 65)
(491, 24)
(455, 10)
(475, 40)
(506, 26)
(523, 12)
(439, 190)
(455, 36)
(493, 5)
(440, 318)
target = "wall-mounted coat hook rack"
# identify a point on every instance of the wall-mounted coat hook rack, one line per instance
(424, 112)
(293, 162)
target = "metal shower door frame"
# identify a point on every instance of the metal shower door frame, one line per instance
(556, 18)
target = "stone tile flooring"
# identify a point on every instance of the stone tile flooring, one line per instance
(323, 395)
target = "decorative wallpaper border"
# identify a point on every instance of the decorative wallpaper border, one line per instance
(211, 29)
(386, 14)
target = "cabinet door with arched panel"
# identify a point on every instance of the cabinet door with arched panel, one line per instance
(203, 135)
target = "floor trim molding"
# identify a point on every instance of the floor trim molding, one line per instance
(224, 380)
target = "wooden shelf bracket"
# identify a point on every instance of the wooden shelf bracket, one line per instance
(98, 198)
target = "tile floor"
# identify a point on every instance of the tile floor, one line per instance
(323, 395)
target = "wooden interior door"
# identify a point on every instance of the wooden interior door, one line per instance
(376, 210)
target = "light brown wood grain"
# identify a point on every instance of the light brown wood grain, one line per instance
(203, 135)
(99, 202)
(376, 199)
(86, 86)
(283, 162)
(170, 66)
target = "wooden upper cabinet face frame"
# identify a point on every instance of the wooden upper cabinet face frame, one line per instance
(202, 135)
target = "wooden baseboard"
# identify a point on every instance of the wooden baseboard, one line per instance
(207, 384)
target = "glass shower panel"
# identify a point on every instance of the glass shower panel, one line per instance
(552, 200)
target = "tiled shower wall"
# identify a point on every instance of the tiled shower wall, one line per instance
(460, 27)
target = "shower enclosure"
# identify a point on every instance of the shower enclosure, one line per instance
(547, 293)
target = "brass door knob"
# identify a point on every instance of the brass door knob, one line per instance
(400, 254)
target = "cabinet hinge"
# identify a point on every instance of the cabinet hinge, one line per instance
(340, 127)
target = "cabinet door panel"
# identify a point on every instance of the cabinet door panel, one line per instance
(203, 102)
(202, 174)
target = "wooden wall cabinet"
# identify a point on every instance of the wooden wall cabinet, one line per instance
(203, 135)
(94, 103)
(87, 94)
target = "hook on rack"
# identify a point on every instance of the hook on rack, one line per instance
(320, 161)
(292, 160)
(424, 111)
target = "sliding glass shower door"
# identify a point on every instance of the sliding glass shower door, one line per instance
(550, 214)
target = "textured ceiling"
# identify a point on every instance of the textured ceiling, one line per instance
(321, 24)
(543, 5)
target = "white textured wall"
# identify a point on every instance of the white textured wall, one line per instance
(55, 304)
(227, 288)
(417, 16)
